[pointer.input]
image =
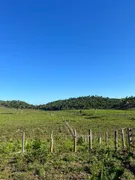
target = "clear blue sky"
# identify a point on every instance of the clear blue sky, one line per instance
(56, 49)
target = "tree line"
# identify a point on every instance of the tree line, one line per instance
(16, 104)
(85, 102)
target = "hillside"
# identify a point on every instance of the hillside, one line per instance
(86, 102)
(90, 102)
(16, 104)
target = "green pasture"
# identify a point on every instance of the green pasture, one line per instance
(38, 163)
(42, 123)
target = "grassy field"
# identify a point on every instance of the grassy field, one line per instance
(38, 163)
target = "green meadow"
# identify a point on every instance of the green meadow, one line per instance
(38, 163)
(36, 122)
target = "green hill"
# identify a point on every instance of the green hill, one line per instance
(16, 104)
(90, 102)
(85, 102)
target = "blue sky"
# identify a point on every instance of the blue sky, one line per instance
(57, 49)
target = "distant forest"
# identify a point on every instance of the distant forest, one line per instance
(86, 102)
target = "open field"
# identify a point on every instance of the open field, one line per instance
(38, 163)
(36, 122)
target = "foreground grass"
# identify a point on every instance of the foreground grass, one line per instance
(38, 163)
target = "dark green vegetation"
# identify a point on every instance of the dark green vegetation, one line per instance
(16, 104)
(87, 102)
(103, 163)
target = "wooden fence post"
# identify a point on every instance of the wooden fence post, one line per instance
(129, 136)
(90, 140)
(123, 139)
(51, 143)
(23, 141)
(75, 140)
(133, 139)
(106, 138)
(116, 140)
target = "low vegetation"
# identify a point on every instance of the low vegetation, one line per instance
(38, 163)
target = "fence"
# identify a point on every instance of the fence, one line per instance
(123, 139)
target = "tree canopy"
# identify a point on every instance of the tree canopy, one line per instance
(90, 102)
(85, 102)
